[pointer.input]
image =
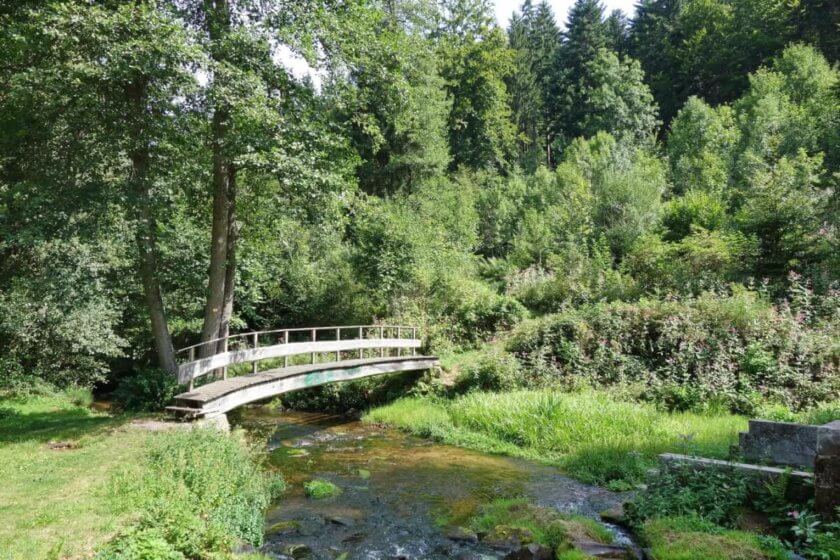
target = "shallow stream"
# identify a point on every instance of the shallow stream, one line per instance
(402, 496)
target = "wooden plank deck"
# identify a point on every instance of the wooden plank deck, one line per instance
(223, 395)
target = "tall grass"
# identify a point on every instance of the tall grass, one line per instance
(596, 438)
(198, 493)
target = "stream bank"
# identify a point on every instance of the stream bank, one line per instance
(401, 497)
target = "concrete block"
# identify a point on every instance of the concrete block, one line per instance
(828, 439)
(827, 470)
(780, 443)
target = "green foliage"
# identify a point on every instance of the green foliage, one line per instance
(617, 100)
(198, 493)
(475, 67)
(494, 371)
(626, 183)
(703, 260)
(701, 147)
(319, 489)
(148, 390)
(727, 348)
(683, 490)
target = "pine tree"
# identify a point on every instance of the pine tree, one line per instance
(585, 35)
(536, 39)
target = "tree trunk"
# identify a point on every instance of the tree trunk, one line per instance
(230, 265)
(217, 13)
(145, 235)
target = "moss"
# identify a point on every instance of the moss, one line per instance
(689, 538)
(516, 519)
(319, 489)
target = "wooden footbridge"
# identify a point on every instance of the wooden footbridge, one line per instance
(293, 359)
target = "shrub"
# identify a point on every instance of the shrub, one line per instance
(733, 348)
(494, 371)
(148, 389)
(483, 312)
(572, 277)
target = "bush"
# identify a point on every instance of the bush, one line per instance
(494, 371)
(479, 313)
(79, 396)
(731, 348)
(149, 389)
(572, 277)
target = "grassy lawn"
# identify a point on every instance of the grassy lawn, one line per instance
(55, 501)
(592, 436)
(78, 482)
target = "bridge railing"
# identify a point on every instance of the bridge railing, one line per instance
(251, 347)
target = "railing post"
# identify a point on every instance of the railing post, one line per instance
(254, 367)
(414, 337)
(314, 337)
(192, 359)
(337, 338)
(361, 337)
(399, 335)
(286, 341)
(224, 369)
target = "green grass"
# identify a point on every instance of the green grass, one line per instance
(55, 500)
(687, 538)
(594, 437)
(319, 489)
(75, 479)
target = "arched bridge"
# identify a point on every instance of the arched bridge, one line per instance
(287, 360)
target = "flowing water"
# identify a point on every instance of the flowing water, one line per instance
(402, 496)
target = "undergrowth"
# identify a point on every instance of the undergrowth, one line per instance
(198, 493)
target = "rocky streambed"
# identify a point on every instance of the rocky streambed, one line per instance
(402, 497)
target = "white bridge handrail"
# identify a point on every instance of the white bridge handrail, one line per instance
(247, 347)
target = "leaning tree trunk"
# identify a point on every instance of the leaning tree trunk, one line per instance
(145, 235)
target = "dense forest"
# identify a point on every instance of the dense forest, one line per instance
(668, 176)
(618, 234)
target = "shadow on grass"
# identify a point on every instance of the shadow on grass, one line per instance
(53, 425)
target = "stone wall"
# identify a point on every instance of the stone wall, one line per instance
(780, 443)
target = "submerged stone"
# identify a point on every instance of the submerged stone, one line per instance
(461, 534)
(531, 551)
(508, 537)
(600, 550)
(299, 551)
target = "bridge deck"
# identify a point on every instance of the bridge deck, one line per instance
(221, 396)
